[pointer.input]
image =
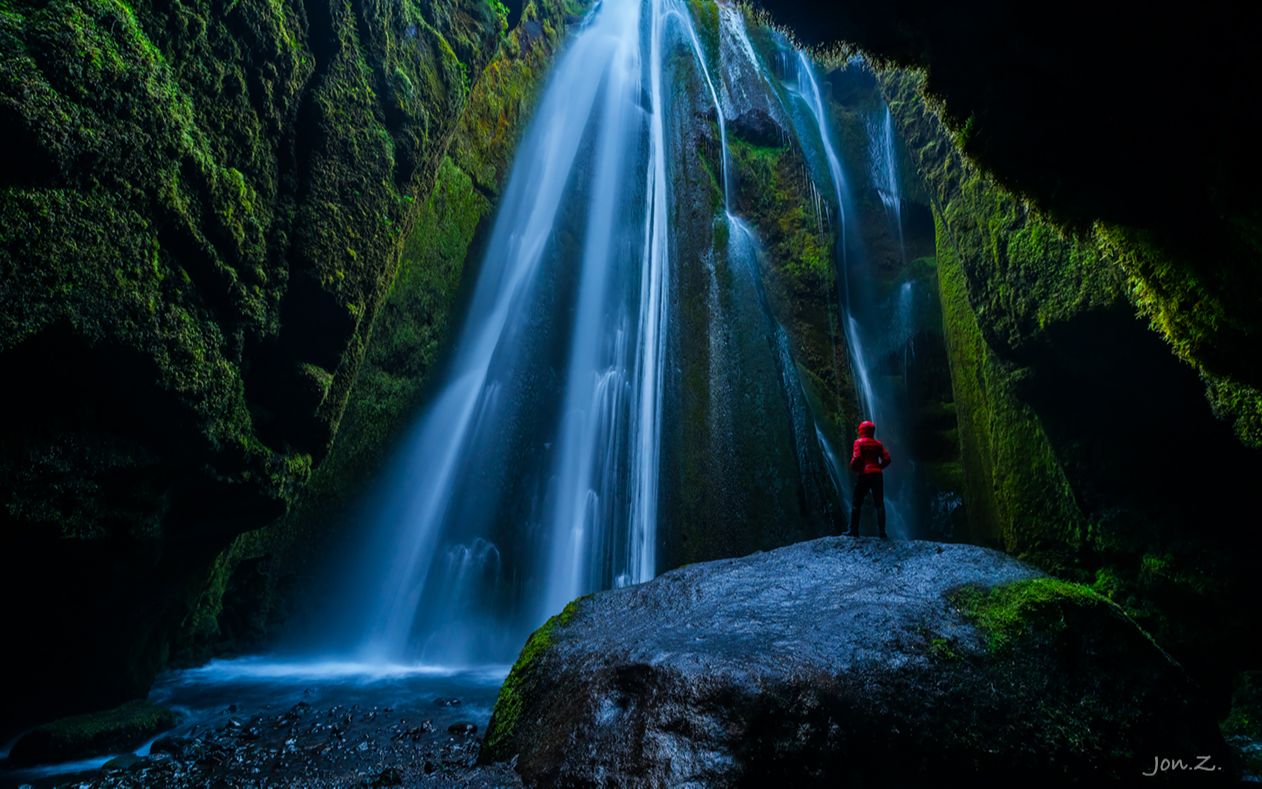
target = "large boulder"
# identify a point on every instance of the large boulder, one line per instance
(844, 659)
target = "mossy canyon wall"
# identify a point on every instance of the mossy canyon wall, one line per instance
(201, 217)
(233, 235)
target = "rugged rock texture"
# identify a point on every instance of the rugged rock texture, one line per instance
(202, 216)
(255, 584)
(846, 660)
(1077, 424)
(1116, 117)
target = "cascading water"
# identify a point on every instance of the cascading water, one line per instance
(534, 474)
(535, 464)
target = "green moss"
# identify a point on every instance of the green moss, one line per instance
(944, 649)
(1006, 612)
(1017, 493)
(1202, 328)
(119, 729)
(509, 703)
(774, 194)
(705, 16)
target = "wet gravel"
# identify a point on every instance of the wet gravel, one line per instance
(310, 745)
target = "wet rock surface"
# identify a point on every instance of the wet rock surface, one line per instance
(759, 128)
(883, 663)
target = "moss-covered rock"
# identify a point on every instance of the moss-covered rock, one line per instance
(523, 681)
(1015, 492)
(1008, 613)
(848, 661)
(206, 215)
(95, 734)
(752, 303)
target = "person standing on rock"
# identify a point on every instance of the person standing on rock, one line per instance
(868, 460)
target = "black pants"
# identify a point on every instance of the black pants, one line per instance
(876, 484)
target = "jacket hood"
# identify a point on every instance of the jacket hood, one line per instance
(867, 429)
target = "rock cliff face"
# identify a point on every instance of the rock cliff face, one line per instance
(199, 223)
(846, 660)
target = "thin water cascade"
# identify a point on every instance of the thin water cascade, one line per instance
(808, 89)
(885, 171)
(875, 323)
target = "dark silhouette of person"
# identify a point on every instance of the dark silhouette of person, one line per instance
(868, 460)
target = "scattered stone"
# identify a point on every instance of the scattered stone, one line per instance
(416, 732)
(464, 728)
(297, 711)
(447, 702)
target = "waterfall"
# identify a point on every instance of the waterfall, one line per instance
(808, 90)
(534, 473)
(536, 460)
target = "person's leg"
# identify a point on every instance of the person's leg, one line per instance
(856, 507)
(878, 498)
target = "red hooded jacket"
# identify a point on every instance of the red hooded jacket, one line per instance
(869, 456)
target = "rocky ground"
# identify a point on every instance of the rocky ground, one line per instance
(307, 744)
